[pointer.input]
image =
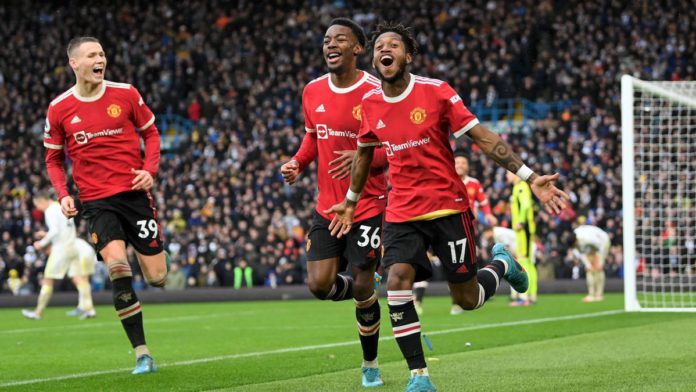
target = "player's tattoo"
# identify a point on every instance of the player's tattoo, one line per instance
(503, 154)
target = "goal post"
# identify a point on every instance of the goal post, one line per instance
(658, 136)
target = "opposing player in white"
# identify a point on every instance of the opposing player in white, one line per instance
(80, 271)
(503, 235)
(591, 246)
(68, 255)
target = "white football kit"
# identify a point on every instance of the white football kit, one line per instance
(69, 255)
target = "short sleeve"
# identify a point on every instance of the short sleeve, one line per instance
(309, 123)
(461, 120)
(143, 117)
(54, 135)
(366, 137)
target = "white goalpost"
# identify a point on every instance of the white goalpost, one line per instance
(658, 136)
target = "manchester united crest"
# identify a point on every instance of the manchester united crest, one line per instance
(356, 112)
(113, 110)
(309, 245)
(418, 116)
(95, 239)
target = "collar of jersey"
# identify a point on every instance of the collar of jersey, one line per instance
(90, 99)
(403, 95)
(344, 90)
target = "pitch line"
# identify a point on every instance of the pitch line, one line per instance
(91, 324)
(312, 347)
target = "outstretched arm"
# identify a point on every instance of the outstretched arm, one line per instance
(343, 220)
(553, 199)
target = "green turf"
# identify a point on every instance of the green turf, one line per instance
(313, 346)
(670, 298)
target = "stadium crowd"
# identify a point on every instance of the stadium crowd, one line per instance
(236, 71)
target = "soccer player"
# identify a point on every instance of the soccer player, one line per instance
(65, 258)
(331, 105)
(476, 196)
(522, 214)
(474, 189)
(412, 117)
(101, 124)
(591, 246)
(87, 259)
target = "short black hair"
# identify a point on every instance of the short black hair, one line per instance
(354, 26)
(461, 153)
(77, 41)
(405, 32)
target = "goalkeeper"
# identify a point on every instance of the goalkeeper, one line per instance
(522, 211)
(591, 245)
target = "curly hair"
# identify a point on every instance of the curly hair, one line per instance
(405, 32)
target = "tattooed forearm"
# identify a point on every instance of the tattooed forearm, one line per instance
(503, 154)
(496, 148)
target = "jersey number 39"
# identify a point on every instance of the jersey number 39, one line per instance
(148, 228)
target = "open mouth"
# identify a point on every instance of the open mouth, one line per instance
(98, 70)
(386, 60)
(333, 57)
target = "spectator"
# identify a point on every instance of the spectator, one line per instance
(243, 273)
(175, 278)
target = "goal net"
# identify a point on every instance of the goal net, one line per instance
(659, 194)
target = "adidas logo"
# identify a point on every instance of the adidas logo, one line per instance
(321, 109)
(75, 120)
(371, 255)
(380, 124)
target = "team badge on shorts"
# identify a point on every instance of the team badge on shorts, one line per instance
(309, 245)
(95, 239)
(113, 110)
(418, 116)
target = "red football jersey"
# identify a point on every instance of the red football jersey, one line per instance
(332, 114)
(476, 195)
(415, 129)
(102, 135)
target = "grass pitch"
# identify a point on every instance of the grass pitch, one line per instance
(560, 344)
